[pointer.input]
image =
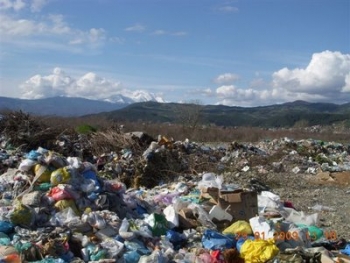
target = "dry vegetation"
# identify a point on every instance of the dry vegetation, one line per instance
(29, 131)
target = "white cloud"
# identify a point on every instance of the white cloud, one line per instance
(10, 27)
(58, 83)
(136, 28)
(94, 37)
(37, 5)
(326, 73)
(226, 78)
(346, 87)
(226, 8)
(16, 5)
(18, 29)
(179, 33)
(161, 32)
(325, 79)
(89, 86)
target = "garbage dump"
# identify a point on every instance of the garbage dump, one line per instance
(175, 201)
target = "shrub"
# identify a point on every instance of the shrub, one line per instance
(85, 129)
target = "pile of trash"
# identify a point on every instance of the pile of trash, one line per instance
(166, 202)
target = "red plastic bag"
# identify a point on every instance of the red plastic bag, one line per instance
(59, 193)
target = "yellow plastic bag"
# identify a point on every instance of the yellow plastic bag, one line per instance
(22, 215)
(62, 204)
(258, 251)
(240, 227)
(43, 173)
(60, 176)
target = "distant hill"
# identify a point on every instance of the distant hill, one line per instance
(60, 106)
(281, 115)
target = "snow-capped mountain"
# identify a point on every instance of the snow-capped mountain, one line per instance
(73, 106)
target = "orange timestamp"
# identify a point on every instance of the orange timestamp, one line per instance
(291, 235)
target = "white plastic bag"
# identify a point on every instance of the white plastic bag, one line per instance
(262, 229)
(269, 201)
(171, 215)
(297, 217)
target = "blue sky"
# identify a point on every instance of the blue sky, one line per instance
(236, 53)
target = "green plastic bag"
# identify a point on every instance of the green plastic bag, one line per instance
(158, 224)
(314, 232)
(22, 215)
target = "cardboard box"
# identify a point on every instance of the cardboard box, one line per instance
(242, 205)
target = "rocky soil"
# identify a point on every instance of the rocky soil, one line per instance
(306, 191)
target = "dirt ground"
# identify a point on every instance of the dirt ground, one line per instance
(307, 190)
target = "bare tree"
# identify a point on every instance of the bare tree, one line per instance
(189, 114)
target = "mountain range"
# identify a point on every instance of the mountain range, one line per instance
(62, 106)
(279, 115)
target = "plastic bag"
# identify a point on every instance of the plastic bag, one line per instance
(124, 230)
(176, 238)
(203, 216)
(43, 173)
(26, 165)
(156, 257)
(94, 219)
(62, 204)
(297, 217)
(298, 236)
(258, 251)
(240, 241)
(90, 183)
(240, 228)
(55, 160)
(158, 224)
(268, 200)
(61, 192)
(32, 198)
(131, 256)
(22, 215)
(211, 180)
(314, 232)
(171, 215)
(262, 228)
(63, 217)
(6, 227)
(4, 239)
(114, 186)
(12, 258)
(60, 176)
(113, 247)
(214, 240)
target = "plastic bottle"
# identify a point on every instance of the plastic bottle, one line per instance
(323, 208)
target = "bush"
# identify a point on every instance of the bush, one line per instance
(85, 129)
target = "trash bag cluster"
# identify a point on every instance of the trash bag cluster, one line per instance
(57, 208)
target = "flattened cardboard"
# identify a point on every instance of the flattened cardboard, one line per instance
(241, 205)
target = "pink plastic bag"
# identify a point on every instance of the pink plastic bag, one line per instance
(59, 193)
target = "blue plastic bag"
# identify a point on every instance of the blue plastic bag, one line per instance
(176, 238)
(91, 175)
(241, 240)
(131, 256)
(6, 227)
(214, 240)
(346, 250)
